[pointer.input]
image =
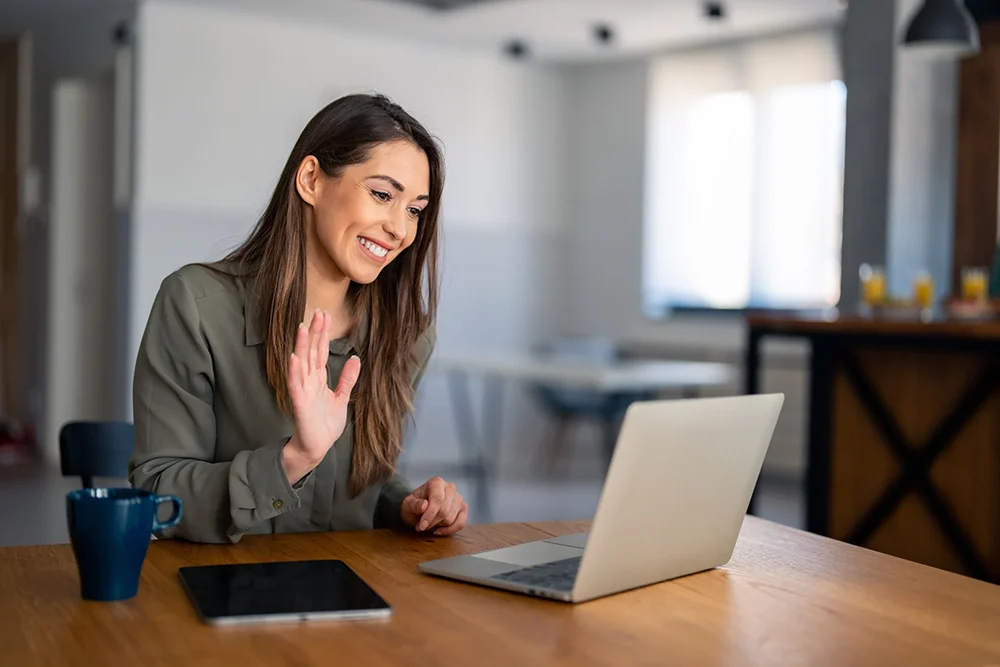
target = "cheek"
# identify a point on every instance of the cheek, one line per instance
(411, 236)
(331, 223)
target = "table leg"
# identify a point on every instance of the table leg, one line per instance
(609, 438)
(818, 460)
(492, 421)
(751, 380)
(477, 448)
(751, 362)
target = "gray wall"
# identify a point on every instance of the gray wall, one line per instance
(922, 166)
(868, 73)
(899, 153)
(605, 190)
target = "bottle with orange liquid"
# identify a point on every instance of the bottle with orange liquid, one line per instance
(975, 284)
(872, 285)
(923, 294)
(923, 290)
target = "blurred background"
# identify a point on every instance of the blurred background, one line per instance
(626, 179)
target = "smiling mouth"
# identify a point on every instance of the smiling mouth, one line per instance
(379, 252)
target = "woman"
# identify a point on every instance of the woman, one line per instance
(233, 406)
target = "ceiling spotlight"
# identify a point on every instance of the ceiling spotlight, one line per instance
(942, 28)
(714, 10)
(516, 49)
(604, 33)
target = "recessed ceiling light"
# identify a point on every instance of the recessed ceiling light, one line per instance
(516, 49)
(714, 10)
(604, 33)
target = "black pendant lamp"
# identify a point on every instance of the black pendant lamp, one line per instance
(942, 29)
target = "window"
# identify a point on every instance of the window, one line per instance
(745, 166)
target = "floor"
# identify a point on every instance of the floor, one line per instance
(34, 494)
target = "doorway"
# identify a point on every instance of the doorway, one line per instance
(9, 186)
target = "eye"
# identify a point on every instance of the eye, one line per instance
(415, 212)
(382, 196)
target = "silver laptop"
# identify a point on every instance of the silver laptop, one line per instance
(673, 503)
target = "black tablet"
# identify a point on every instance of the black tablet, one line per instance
(281, 591)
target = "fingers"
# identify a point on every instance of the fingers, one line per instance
(323, 352)
(295, 378)
(317, 328)
(302, 347)
(454, 509)
(348, 378)
(312, 346)
(437, 491)
(297, 371)
(414, 506)
(445, 511)
(456, 525)
(450, 511)
(438, 506)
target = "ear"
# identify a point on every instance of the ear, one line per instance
(308, 180)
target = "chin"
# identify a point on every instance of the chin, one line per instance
(363, 270)
(363, 278)
(363, 275)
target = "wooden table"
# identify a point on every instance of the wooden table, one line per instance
(786, 598)
(904, 434)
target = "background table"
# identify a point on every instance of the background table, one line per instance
(786, 598)
(904, 433)
(480, 444)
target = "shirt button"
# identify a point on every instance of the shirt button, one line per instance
(277, 504)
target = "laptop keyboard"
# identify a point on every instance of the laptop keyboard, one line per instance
(558, 575)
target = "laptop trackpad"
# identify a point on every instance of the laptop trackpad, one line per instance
(532, 553)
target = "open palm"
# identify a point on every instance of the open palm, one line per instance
(320, 413)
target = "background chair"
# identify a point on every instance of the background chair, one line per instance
(95, 449)
(567, 406)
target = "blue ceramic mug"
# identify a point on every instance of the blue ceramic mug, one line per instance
(110, 531)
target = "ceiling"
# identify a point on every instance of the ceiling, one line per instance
(559, 29)
(551, 29)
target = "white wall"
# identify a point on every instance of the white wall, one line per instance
(222, 96)
(220, 115)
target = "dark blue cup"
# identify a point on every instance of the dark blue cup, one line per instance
(110, 531)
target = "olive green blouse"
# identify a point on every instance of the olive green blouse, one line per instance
(208, 428)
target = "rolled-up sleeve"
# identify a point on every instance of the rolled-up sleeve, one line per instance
(388, 509)
(175, 431)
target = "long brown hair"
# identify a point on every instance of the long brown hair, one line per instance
(400, 305)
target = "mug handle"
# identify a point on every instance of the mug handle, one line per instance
(174, 518)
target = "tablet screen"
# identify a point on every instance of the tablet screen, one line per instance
(281, 591)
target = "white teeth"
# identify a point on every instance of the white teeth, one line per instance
(375, 248)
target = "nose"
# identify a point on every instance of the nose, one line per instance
(395, 225)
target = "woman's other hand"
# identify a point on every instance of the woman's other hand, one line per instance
(435, 506)
(320, 414)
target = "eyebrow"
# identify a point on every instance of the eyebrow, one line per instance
(397, 186)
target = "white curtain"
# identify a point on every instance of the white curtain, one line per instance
(744, 170)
